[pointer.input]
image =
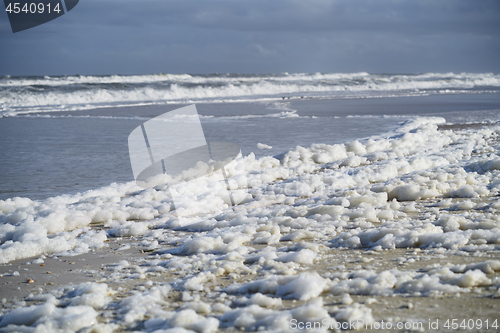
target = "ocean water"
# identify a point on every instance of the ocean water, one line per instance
(47, 94)
(337, 169)
(69, 134)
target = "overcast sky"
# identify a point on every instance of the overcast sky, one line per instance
(258, 36)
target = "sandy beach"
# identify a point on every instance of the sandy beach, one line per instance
(478, 303)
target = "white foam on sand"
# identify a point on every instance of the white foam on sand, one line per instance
(64, 310)
(376, 181)
(417, 187)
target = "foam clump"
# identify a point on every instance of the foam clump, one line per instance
(65, 309)
(48, 317)
(302, 287)
(254, 317)
(357, 316)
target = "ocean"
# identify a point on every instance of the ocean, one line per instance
(62, 135)
(356, 189)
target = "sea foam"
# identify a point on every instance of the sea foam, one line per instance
(20, 95)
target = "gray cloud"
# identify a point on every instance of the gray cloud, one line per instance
(106, 37)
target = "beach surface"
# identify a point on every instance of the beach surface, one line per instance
(371, 214)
